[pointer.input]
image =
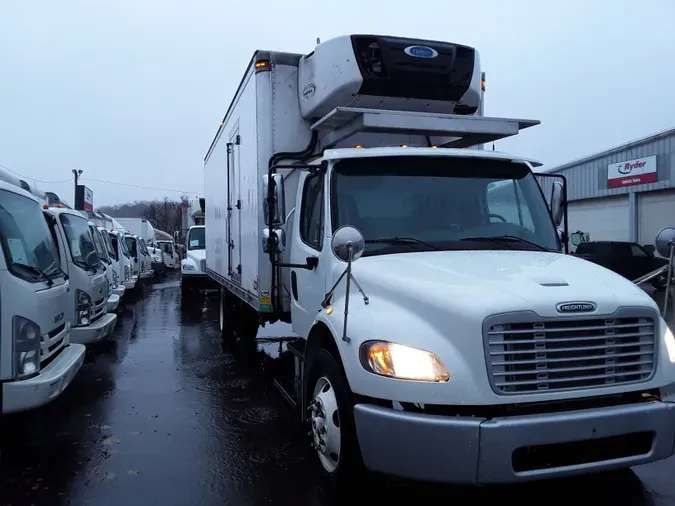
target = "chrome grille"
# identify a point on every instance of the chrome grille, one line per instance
(527, 354)
(202, 265)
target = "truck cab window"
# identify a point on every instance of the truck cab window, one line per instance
(311, 213)
(637, 251)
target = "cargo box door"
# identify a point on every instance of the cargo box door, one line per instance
(233, 208)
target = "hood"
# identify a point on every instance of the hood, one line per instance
(481, 283)
(196, 254)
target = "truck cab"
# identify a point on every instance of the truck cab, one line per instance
(90, 288)
(101, 248)
(193, 267)
(146, 259)
(166, 248)
(126, 262)
(117, 287)
(38, 360)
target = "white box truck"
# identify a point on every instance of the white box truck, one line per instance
(37, 361)
(144, 230)
(443, 333)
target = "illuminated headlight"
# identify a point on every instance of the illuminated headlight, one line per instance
(402, 362)
(188, 267)
(26, 336)
(670, 344)
(83, 309)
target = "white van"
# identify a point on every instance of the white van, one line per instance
(89, 284)
(116, 286)
(38, 361)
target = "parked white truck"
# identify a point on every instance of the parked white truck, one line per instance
(144, 230)
(37, 361)
(193, 275)
(444, 335)
(90, 288)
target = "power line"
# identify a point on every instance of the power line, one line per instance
(32, 178)
(138, 186)
(98, 181)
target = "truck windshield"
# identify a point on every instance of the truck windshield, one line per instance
(80, 240)
(25, 238)
(197, 239)
(112, 252)
(130, 243)
(144, 248)
(408, 204)
(100, 247)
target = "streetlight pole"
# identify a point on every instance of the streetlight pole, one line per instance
(77, 173)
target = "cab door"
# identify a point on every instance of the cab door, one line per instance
(308, 287)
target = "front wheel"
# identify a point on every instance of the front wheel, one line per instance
(331, 419)
(660, 282)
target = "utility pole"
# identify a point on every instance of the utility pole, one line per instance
(77, 173)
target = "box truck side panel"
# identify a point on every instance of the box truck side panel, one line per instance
(231, 193)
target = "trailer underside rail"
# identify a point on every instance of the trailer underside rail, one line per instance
(343, 122)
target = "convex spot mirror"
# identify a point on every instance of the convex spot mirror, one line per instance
(664, 239)
(278, 243)
(348, 238)
(278, 217)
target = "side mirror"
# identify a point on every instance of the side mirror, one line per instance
(278, 240)
(557, 203)
(348, 243)
(575, 238)
(650, 249)
(92, 260)
(278, 217)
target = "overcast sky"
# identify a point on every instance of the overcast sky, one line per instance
(132, 91)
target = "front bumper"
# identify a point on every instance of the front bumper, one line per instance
(47, 385)
(95, 331)
(129, 285)
(147, 274)
(119, 291)
(112, 303)
(464, 450)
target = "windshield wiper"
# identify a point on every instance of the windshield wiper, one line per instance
(506, 239)
(401, 240)
(36, 272)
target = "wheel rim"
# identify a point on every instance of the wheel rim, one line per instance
(325, 420)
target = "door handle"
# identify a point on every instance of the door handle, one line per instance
(312, 262)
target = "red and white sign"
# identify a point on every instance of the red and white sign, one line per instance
(631, 172)
(88, 199)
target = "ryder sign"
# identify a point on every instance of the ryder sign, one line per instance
(630, 172)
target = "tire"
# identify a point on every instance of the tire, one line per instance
(660, 282)
(185, 290)
(226, 316)
(331, 409)
(237, 320)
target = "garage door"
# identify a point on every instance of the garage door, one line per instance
(606, 219)
(655, 210)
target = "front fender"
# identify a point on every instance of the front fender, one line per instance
(383, 319)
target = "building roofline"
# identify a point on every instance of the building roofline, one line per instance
(611, 151)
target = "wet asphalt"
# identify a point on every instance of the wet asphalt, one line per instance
(162, 413)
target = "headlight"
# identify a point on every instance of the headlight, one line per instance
(83, 308)
(670, 344)
(402, 362)
(188, 267)
(157, 259)
(27, 337)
